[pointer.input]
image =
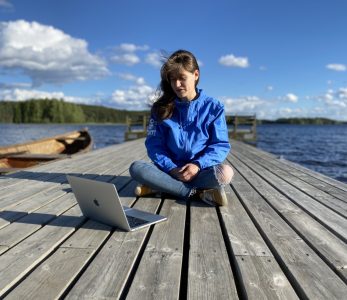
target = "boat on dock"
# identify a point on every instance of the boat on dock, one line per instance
(20, 156)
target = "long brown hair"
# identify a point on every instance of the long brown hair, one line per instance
(179, 60)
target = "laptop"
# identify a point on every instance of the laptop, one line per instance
(100, 201)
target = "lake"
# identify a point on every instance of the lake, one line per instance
(322, 148)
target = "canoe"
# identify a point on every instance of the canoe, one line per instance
(20, 156)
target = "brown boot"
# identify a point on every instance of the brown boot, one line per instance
(214, 197)
(143, 190)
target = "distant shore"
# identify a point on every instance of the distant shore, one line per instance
(57, 111)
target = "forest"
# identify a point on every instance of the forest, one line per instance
(59, 111)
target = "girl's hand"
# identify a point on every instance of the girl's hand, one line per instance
(185, 173)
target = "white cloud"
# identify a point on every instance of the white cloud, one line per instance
(247, 105)
(127, 47)
(18, 94)
(200, 63)
(233, 61)
(131, 77)
(6, 4)
(24, 94)
(14, 85)
(128, 59)
(342, 93)
(270, 88)
(126, 54)
(137, 97)
(291, 98)
(154, 59)
(46, 54)
(337, 67)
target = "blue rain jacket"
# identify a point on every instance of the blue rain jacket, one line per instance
(196, 133)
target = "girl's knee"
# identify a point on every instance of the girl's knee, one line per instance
(224, 174)
(134, 168)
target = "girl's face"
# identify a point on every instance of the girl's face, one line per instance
(184, 84)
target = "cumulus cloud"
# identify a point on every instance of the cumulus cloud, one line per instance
(47, 54)
(14, 85)
(337, 67)
(233, 61)
(131, 77)
(125, 54)
(22, 94)
(291, 98)
(243, 105)
(154, 59)
(128, 59)
(18, 94)
(127, 47)
(136, 97)
(6, 4)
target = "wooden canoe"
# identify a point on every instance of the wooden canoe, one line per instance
(16, 157)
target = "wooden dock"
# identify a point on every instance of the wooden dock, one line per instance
(282, 236)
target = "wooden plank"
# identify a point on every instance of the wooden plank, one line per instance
(262, 277)
(99, 168)
(53, 276)
(301, 174)
(320, 238)
(22, 209)
(108, 273)
(307, 272)
(330, 201)
(210, 275)
(27, 225)
(158, 275)
(315, 175)
(335, 222)
(3, 249)
(18, 261)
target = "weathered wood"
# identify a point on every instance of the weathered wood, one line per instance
(322, 240)
(262, 277)
(108, 273)
(313, 278)
(158, 275)
(34, 190)
(210, 275)
(332, 202)
(3, 249)
(299, 173)
(314, 175)
(280, 244)
(51, 278)
(331, 219)
(24, 227)
(18, 261)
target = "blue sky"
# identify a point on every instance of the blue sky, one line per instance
(274, 58)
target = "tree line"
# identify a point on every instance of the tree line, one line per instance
(59, 111)
(303, 121)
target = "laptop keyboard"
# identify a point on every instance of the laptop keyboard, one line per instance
(134, 222)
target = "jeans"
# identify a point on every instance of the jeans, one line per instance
(150, 175)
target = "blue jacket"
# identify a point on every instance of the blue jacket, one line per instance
(196, 132)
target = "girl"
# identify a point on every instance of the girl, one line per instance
(187, 138)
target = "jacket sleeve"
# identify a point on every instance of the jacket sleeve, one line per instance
(156, 146)
(219, 146)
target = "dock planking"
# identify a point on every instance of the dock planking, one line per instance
(282, 235)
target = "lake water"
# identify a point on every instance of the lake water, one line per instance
(320, 148)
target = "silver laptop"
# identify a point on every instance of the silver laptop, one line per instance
(100, 201)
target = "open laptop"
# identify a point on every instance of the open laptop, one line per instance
(100, 201)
